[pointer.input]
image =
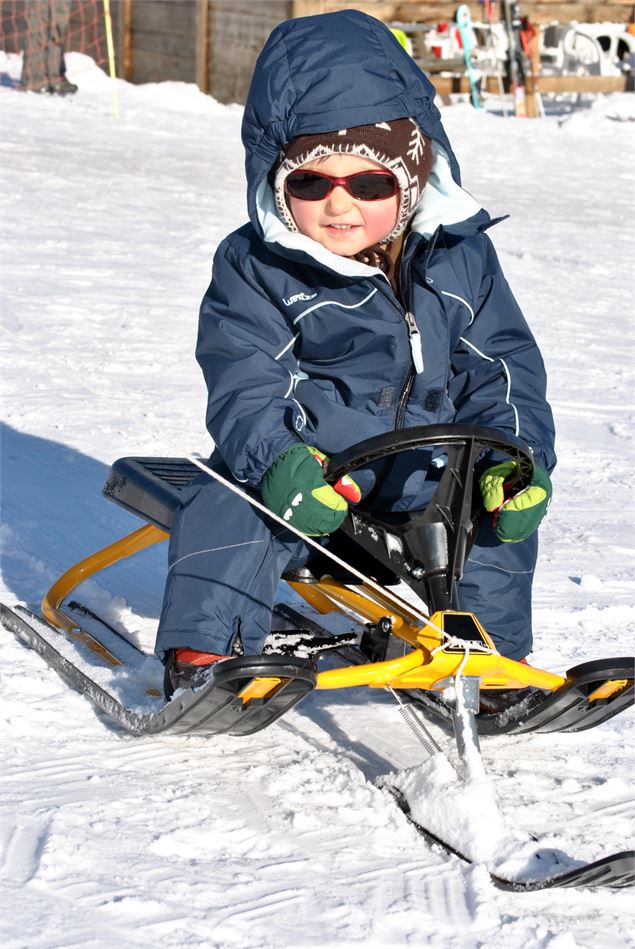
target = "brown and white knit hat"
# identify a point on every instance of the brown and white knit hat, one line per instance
(398, 145)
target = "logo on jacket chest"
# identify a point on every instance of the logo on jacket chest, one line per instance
(298, 298)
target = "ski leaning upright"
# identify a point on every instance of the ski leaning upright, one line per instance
(516, 59)
(466, 34)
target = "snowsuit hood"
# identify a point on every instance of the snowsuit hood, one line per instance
(327, 72)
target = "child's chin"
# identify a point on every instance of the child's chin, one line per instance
(346, 246)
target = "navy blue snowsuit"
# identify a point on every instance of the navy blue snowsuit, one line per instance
(299, 344)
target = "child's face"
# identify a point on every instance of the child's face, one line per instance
(341, 223)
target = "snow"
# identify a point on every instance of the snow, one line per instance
(286, 838)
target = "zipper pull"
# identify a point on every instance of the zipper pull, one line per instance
(415, 342)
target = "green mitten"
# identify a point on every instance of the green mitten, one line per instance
(294, 488)
(516, 515)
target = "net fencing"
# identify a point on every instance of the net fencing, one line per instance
(35, 35)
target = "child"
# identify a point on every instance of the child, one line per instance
(364, 296)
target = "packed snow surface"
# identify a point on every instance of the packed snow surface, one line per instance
(286, 838)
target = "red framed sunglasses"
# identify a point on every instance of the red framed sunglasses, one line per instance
(363, 185)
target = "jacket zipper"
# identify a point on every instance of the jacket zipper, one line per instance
(414, 339)
(416, 352)
(403, 399)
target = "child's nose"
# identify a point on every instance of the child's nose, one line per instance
(339, 200)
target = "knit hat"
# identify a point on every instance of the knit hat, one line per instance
(398, 145)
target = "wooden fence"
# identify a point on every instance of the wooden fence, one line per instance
(214, 43)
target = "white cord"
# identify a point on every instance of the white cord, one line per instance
(387, 594)
(466, 656)
(397, 601)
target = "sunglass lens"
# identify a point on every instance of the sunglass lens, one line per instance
(372, 187)
(307, 186)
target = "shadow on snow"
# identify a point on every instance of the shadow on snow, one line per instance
(53, 515)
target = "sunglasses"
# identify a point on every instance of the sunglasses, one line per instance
(363, 186)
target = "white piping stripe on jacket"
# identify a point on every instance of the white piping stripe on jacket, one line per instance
(302, 412)
(507, 374)
(294, 382)
(455, 296)
(345, 306)
(316, 306)
(495, 566)
(288, 346)
(295, 378)
(291, 387)
(211, 550)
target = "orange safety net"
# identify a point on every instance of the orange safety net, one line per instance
(43, 31)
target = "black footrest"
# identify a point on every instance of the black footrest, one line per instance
(243, 695)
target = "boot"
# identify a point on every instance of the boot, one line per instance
(62, 87)
(187, 669)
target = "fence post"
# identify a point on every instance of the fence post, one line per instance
(202, 45)
(123, 11)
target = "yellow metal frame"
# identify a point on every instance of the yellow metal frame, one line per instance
(432, 662)
(124, 547)
(429, 665)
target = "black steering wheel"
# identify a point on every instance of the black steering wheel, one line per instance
(475, 438)
(427, 549)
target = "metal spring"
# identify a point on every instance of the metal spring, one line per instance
(415, 724)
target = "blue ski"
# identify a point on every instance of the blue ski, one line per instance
(464, 26)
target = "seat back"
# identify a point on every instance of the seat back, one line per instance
(150, 487)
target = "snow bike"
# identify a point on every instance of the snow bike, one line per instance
(441, 658)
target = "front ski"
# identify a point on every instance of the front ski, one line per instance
(615, 871)
(239, 696)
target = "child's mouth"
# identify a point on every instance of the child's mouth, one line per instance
(341, 227)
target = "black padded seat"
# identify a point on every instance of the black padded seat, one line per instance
(150, 487)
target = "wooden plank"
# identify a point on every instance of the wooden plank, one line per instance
(271, 10)
(618, 11)
(238, 30)
(150, 66)
(445, 85)
(165, 16)
(539, 11)
(583, 83)
(172, 44)
(159, 67)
